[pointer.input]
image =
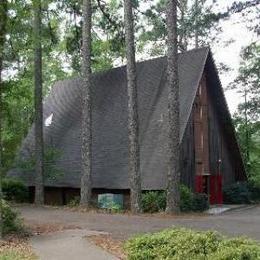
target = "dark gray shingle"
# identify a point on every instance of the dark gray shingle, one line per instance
(110, 140)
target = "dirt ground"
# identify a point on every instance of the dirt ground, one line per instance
(244, 221)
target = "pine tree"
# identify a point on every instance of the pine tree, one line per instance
(173, 178)
(86, 106)
(196, 25)
(3, 22)
(134, 153)
(39, 150)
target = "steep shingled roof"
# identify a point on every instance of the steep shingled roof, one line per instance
(110, 135)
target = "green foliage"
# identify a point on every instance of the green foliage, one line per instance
(254, 188)
(241, 193)
(186, 203)
(237, 249)
(155, 201)
(153, 31)
(14, 190)
(16, 254)
(248, 133)
(18, 71)
(248, 80)
(114, 207)
(11, 221)
(180, 243)
(51, 171)
(74, 202)
(247, 117)
(237, 193)
(192, 201)
(200, 202)
(112, 203)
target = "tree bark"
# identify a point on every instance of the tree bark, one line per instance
(3, 22)
(133, 126)
(86, 177)
(247, 135)
(39, 146)
(173, 178)
(183, 41)
(196, 25)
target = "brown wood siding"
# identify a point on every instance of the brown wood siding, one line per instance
(187, 157)
(220, 155)
(200, 112)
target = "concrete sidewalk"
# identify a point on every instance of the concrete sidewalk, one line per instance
(68, 245)
(224, 208)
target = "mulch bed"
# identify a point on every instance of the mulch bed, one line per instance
(109, 244)
(38, 229)
(16, 246)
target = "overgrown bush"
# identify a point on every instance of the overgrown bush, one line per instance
(237, 193)
(11, 221)
(155, 201)
(15, 190)
(190, 245)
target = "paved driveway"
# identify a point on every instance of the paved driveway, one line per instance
(237, 222)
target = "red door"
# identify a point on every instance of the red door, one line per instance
(216, 196)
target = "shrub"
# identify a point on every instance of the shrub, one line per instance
(15, 190)
(254, 191)
(237, 193)
(74, 202)
(236, 249)
(11, 221)
(200, 202)
(186, 198)
(114, 207)
(155, 201)
(191, 245)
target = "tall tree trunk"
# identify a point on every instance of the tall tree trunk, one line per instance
(183, 41)
(86, 182)
(39, 149)
(3, 21)
(173, 180)
(196, 24)
(247, 135)
(133, 127)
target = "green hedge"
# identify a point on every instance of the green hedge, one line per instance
(155, 201)
(190, 245)
(15, 190)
